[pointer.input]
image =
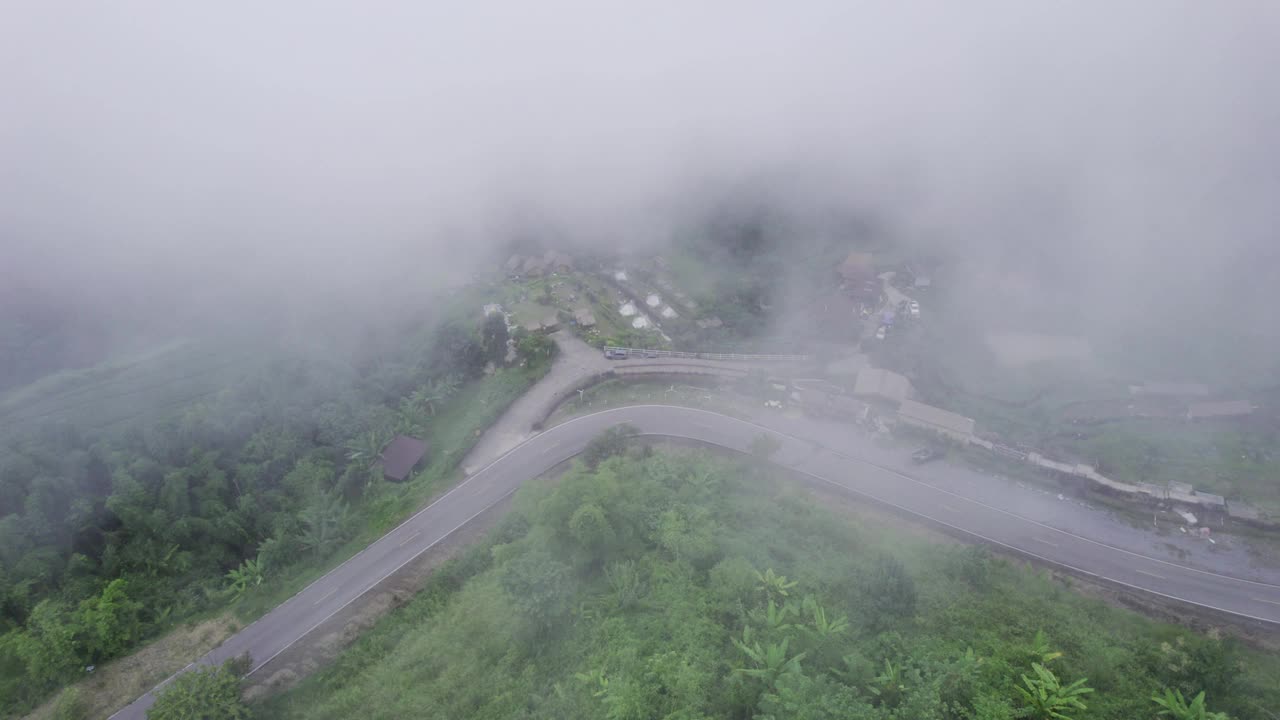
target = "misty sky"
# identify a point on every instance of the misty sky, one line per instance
(1125, 145)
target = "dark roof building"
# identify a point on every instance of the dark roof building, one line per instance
(401, 455)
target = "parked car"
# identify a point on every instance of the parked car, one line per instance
(615, 354)
(926, 454)
(651, 354)
(882, 332)
(915, 309)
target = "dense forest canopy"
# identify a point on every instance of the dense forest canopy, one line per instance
(110, 534)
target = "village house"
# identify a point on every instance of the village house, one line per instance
(883, 385)
(944, 422)
(401, 456)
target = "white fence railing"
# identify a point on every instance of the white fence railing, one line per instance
(643, 352)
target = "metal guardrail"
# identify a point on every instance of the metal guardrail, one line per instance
(644, 352)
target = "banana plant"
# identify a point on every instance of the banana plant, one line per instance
(823, 627)
(774, 616)
(248, 575)
(888, 687)
(768, 663)
(774, 585)
(1048, 699)
(1173, 705)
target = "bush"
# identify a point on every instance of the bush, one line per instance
(207, 693)
(607, 444)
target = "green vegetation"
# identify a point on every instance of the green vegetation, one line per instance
(112, 535)
(673, 584)
(207, 693)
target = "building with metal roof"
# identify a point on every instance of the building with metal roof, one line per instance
(928, 417)
(878, 384)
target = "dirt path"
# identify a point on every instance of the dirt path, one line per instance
(575, 362)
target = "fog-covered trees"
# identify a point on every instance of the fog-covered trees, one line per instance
(110, 535)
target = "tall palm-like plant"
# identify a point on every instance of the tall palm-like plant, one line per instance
(889, 687)
(1173, 705)
(1047, 698)
(823, 627)
(324, 522)
(434, 391)
(774, 616)
(248, 575)
(365, 449)
(773, 585)
(768, 663)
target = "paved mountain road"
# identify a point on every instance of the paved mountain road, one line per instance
(295, 618)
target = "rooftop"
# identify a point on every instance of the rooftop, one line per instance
(400, 455)
(882, 383)
(921, 414)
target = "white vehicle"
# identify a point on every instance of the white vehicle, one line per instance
(915, 309)
(881, 332)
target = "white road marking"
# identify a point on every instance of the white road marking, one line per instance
(1273, 602)
(325, 596)
(948, 507)
(416, 534)
(1149, 574)
(1046, 542)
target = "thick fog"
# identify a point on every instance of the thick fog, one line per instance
(1120, 157)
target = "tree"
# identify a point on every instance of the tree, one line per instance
(607, 444)
(774, 586)
(591, 529)
(366, 448)
(110, 624)
(767, 663)
(687, 532)
(1047, 699)
(1173, 705)
(625, 583)
(249, 574)
(461, 352)
(540, 586)
(48, 648)
(823, 628)
(324, 522)
(536, 348)
(207, 693)
(493, 338)
(888, 687)
(774, 617)
(434, 391)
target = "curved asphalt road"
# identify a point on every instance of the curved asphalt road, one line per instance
(276, 631)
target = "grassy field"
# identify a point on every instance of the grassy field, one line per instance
(602, 596)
